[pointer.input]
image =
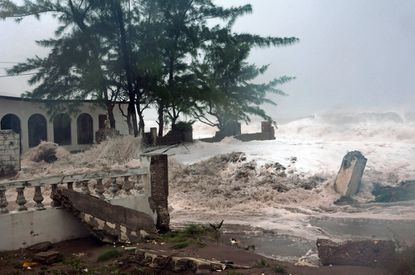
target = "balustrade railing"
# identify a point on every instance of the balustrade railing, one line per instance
(104, 185)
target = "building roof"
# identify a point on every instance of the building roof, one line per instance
(15, 98)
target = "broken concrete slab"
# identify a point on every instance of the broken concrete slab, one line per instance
(48, 257)
(40, 247)
(356, 253)
(111, 223)
(348, 179)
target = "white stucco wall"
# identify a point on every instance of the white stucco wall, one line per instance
(23, 229)
(23, 109)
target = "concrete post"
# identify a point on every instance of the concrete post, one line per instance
(348, 179)
(160, 191)
(153, 135)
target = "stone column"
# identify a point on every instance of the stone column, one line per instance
(348, 179)
(160, 191)
(153, 135)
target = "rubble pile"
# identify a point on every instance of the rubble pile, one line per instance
(49, 159)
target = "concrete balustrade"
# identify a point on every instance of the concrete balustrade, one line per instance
(29, 214)
(120, 180)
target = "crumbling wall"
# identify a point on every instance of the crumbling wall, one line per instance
(9, 152)
(267, 133)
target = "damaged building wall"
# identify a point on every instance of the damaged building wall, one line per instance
(9, 152)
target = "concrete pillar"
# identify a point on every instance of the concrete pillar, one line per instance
(24, 133)
(95, 125)
(160, 191)
(267, 130)
(153, 135)
(74, 130)
(348, 179)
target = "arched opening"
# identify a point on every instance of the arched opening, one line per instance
(85, 129)
(11, 122)
(62, 129)
(37, 126)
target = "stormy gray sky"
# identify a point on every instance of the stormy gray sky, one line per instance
(353, 54)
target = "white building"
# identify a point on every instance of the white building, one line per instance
(29, 118)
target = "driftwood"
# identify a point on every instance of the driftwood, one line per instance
(216, 227)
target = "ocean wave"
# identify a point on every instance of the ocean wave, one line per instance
(371, 127)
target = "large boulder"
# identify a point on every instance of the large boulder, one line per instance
(348, 179)
(360, 253)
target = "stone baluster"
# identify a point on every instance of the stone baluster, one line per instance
(138, 183)
(85, 188)
(55, 203)
(3, 201)
(38, 198)
(21, 200)
(114, 186)
(70, 185)
(99, 189)
(127, 184)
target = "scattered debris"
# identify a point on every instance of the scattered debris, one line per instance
(357, 253)
(45, 151)
(348, 179)
(29, 264)
(216, 226)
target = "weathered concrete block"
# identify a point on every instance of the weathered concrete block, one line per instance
(348, 179)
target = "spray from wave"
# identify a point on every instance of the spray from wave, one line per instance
(361, 127)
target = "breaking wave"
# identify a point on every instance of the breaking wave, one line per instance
(365, 127)
(284, 184)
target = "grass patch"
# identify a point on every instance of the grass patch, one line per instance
(108, 255)
(191, 234)
(279, 269)
(261, 263)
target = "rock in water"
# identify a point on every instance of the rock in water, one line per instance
(360, 253)
(405, 191)
(351, 171)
